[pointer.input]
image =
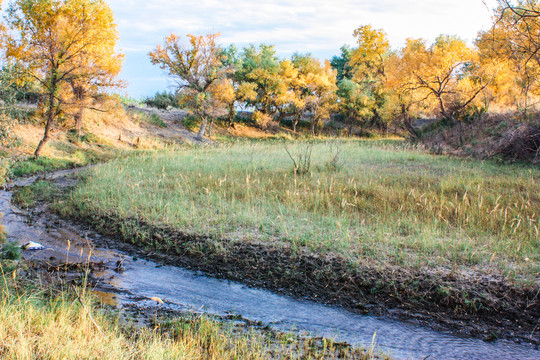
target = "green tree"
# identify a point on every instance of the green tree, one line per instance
(342, 63)
(261, 68)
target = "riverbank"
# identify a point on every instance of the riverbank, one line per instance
(389, 230)
(125, 280)
(49, 310)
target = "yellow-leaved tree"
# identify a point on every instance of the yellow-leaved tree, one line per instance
(63, 44)
(196, 65)
(512, 46)
(447, 75)
(316, 89)
(363, 96)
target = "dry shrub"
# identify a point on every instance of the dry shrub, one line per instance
(521, 143)
(496, 135)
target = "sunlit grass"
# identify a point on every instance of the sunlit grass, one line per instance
(377, 200)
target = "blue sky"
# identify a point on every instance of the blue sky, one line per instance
(320, 27)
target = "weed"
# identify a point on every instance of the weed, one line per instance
(28, 196)
(301, 159)
(11, 251)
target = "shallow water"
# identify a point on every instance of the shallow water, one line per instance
(186, 290)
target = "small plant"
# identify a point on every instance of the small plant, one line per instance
(28, 196)
(162, 101)
(11, 251)
(334, 163)
(190, 121)
(301, 159)
(156, 120)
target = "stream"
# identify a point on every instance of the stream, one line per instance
(185, 290)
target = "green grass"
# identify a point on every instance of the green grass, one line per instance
(42, 164)
(379, 201)
(28, 196)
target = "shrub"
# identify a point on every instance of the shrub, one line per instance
(162, 101)
(156, 120)
(261, 119)
(520, 143)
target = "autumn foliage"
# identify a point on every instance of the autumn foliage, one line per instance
(68, 47)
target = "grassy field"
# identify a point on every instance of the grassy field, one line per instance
(379, 201)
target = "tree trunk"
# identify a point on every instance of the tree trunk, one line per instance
(410, 128)
(78, 120)
(79, 93)
(210, 127)
(51, 114)
(460, 132)
(202, 129)
(230, 115)
(295, 123)
(45, 138)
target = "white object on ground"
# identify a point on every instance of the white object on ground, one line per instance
(32, 246)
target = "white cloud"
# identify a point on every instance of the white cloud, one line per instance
(317, 26)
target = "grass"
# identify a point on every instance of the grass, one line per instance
(39, 191)
(43, 164)
(68, 324)
(377, 200)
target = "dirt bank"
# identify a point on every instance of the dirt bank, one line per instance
(479, 305)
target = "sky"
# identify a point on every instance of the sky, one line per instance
(319, 27)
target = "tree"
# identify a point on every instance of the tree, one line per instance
(61, 42)
(522, 20)
(447, 73)
(195, 66)
(315, 89)
(342, 64)
(353, 103)
(262, 69)
(368, 62)
(405, 101)
(512, 46)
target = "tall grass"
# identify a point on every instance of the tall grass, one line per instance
(375, 200)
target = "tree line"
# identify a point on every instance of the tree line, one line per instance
(368, 85)
(67, 49)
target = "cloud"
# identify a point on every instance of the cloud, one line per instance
(317, 26)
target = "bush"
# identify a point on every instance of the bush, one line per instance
(262, 119)
(156, 120)
(190, 121)
(162, 101)
(521, 143)
(11, 251)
